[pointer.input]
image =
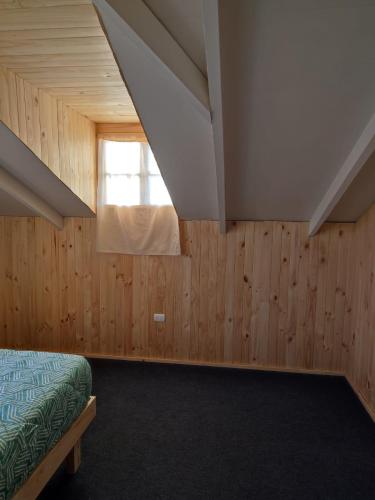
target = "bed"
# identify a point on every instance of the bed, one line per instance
(45, 406)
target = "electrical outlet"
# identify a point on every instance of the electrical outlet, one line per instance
(159, 317)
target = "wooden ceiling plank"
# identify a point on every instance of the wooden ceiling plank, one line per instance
(65, 92)
(81, 100)
(111, 107)
(104, 116)
(118, 107)
(51, 3)
(9, 4)
(87, 82)
(121, 131)
(59, 46)
(55, 46)
(18, 63)
(47, 34)
(113, 119)
(69, 71)
(95, 110)
(74, 16)
(128, 128)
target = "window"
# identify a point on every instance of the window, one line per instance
(135, 215)
(132, 176)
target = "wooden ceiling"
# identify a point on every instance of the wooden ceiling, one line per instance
(59, 45)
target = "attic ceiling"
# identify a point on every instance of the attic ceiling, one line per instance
(291, 102)
(261, 110)
(300, 87)
(59, 46)
(184, 21)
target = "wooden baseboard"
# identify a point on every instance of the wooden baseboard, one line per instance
(367, 406)
(217, 364)
(240, 366)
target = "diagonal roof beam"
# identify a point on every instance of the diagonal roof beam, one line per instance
(171, 98)
(211, 22)
(29, 199)
(27, 179)
(358, 156)
(147, 32)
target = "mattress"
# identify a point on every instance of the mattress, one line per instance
(41, 394)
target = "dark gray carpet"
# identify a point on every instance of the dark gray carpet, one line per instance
(177, 432)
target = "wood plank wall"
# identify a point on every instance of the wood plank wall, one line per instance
(62, 138)
(262, 295)
(361, 364)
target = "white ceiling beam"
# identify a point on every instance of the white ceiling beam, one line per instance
(147, 32)
(29, 199)
(353, 164)
(211, 22)
(175, 117)
(25, 167)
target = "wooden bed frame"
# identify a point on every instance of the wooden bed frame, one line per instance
(69, 448)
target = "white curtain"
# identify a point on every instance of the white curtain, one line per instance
(134, 212)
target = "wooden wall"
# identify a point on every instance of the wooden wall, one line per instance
(361, 365)
(263, 295)
(62, 138)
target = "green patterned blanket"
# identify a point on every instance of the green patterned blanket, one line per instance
(41, 394)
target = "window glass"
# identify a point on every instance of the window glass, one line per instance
(122, 157)
(158, 192)
(152, 165)
(132, 176)
(122, 190)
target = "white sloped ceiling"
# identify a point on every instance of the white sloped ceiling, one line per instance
(296, 93)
